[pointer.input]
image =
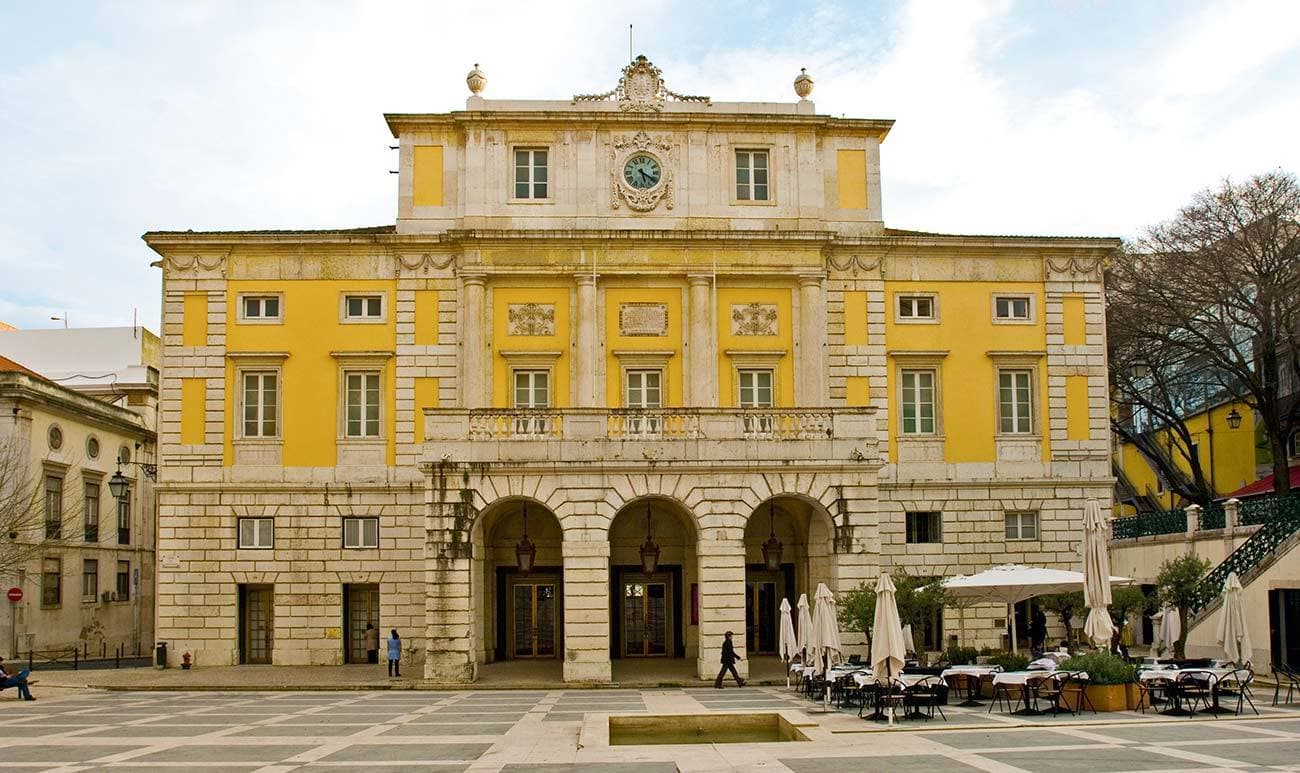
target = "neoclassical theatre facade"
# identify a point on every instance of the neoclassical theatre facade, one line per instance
(628, 369)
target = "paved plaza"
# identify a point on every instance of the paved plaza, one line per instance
(560, 730)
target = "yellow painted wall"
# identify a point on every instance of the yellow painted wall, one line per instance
(857, 391)
(783, 341)
(194, 322)
(672, 341)
(851, 173)
(426, 396)
(1234, 452)
(310, 376)
(967, 376)
(855, 318)
(502, 383)
(1076, 324)
(427, 176)
(1076, 408)
(426, 317)
(194, 392)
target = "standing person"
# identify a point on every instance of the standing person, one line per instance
(372, 643)
(17, 679)
(394, 654)
(729, 658)
(1038, 630)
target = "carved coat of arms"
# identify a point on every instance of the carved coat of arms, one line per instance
(530, 319)
(753, 319)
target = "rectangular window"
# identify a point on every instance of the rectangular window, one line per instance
(261, 404)
(368, 308)
(361, 404)
(532, 389)
(53, 507)
(124, 518)
(755, 388)
(92, 512)
(912, 307)
(89, 580)
(924, 527)
(1022, 525)
(917, 399)
(643, 389)
(360, 532)
(258, 308)
(530, 173)
(1015, 402)
(51, 582)
(123, 580)
(256, 533)
(1011, 307)
(751, 175)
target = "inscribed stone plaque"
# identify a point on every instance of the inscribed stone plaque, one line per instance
(531, 319)
(753, 319)
(643, 319)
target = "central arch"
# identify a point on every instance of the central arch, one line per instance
(805, 533)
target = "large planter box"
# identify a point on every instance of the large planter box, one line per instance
(1108, 697)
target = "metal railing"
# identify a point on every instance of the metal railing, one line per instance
(1280, 519)
(1149, 524)
(1213, 516)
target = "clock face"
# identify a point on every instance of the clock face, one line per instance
(642, 171)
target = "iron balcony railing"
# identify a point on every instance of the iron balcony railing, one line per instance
(1279, 517)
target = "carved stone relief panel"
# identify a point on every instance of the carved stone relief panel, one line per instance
(643, 319)
(531, 319)
(753, 319)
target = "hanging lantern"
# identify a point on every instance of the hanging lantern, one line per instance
(649, 551)
(772, 548)
(1234, 419)
(525, 551)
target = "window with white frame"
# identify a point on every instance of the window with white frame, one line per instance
(916, 307)
(360, 533)
(1011, 308)
(916, 398)
(531, 174)
(91, 531)
(361, 403)
(51, 582)
(363, 308)
(751, 175)
(1015, 402)
(532, 389)
(1021, 525)
(260, 308)
(256, 533)
(755, 387)
(123, 581)
(89, 579)
(261, 403)
(643, 389)
(53, 507)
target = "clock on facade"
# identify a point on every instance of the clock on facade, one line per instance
(642, 171)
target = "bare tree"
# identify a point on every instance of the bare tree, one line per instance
(29, 523)
(1208, 305)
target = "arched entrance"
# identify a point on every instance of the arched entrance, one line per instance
(653, 581)
(788, 547)
(518, 579)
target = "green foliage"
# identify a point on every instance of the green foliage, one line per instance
(961, 656)
(1125, 601)
(1102, 668)
(1176, 587)
(1010, 662)
(857, 609)
(986, 650)
(1065, 606)
(917, 598)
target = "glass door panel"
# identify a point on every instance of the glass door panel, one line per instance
(523, 621)
(656, 619)
(766, 607)
(634, 618)
(545, 616)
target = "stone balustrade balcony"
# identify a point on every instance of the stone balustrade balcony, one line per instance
(632, 436)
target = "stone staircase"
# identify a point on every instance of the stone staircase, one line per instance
(1279, 533)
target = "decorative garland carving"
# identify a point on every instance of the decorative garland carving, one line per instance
(855, 263)
(1076, 266)
(641, 200)
(425, 262)
(641, 89)
(196, 263)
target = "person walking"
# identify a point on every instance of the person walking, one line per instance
(729, 658)
(372, 643)
(394, 654)
(16, 679)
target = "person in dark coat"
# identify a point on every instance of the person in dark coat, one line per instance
(729, 658)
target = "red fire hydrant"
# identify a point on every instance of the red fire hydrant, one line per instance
(185, 661)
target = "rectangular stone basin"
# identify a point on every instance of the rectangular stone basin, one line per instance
(702, 728)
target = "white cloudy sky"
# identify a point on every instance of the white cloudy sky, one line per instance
(1054, 116)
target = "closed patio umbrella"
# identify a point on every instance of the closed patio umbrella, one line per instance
(805, 626)
(1232, 624)
(824, 642)
(888, 651)
(1167, 629)
(788, 645)
(1096, 576)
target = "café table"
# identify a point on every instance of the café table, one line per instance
(974, 677)
(1213, 675)
(1021, 679)
(864, 678)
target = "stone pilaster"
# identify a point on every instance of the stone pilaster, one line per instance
(722, 600)
(702, 366)
(449, 610)
(812, 342)
(474, 355)
(585, 352)
(586, 611)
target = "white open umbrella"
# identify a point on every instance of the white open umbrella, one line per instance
(1232, 624)
(788, 644)
(1096, 573)
(888, 651)
(805, 626)
(824, 642)
(1012, 583)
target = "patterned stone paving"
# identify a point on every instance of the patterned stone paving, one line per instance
(540, 731)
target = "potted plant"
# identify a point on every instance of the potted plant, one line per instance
(1112, 680)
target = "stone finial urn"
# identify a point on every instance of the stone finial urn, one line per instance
(476, 80)
(803, 83)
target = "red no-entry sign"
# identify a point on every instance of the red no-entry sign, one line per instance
(15, 595)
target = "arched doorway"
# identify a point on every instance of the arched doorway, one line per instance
(788, 547)
(520, 610)
(651, 610)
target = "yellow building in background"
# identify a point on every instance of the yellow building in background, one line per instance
(628, 369)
